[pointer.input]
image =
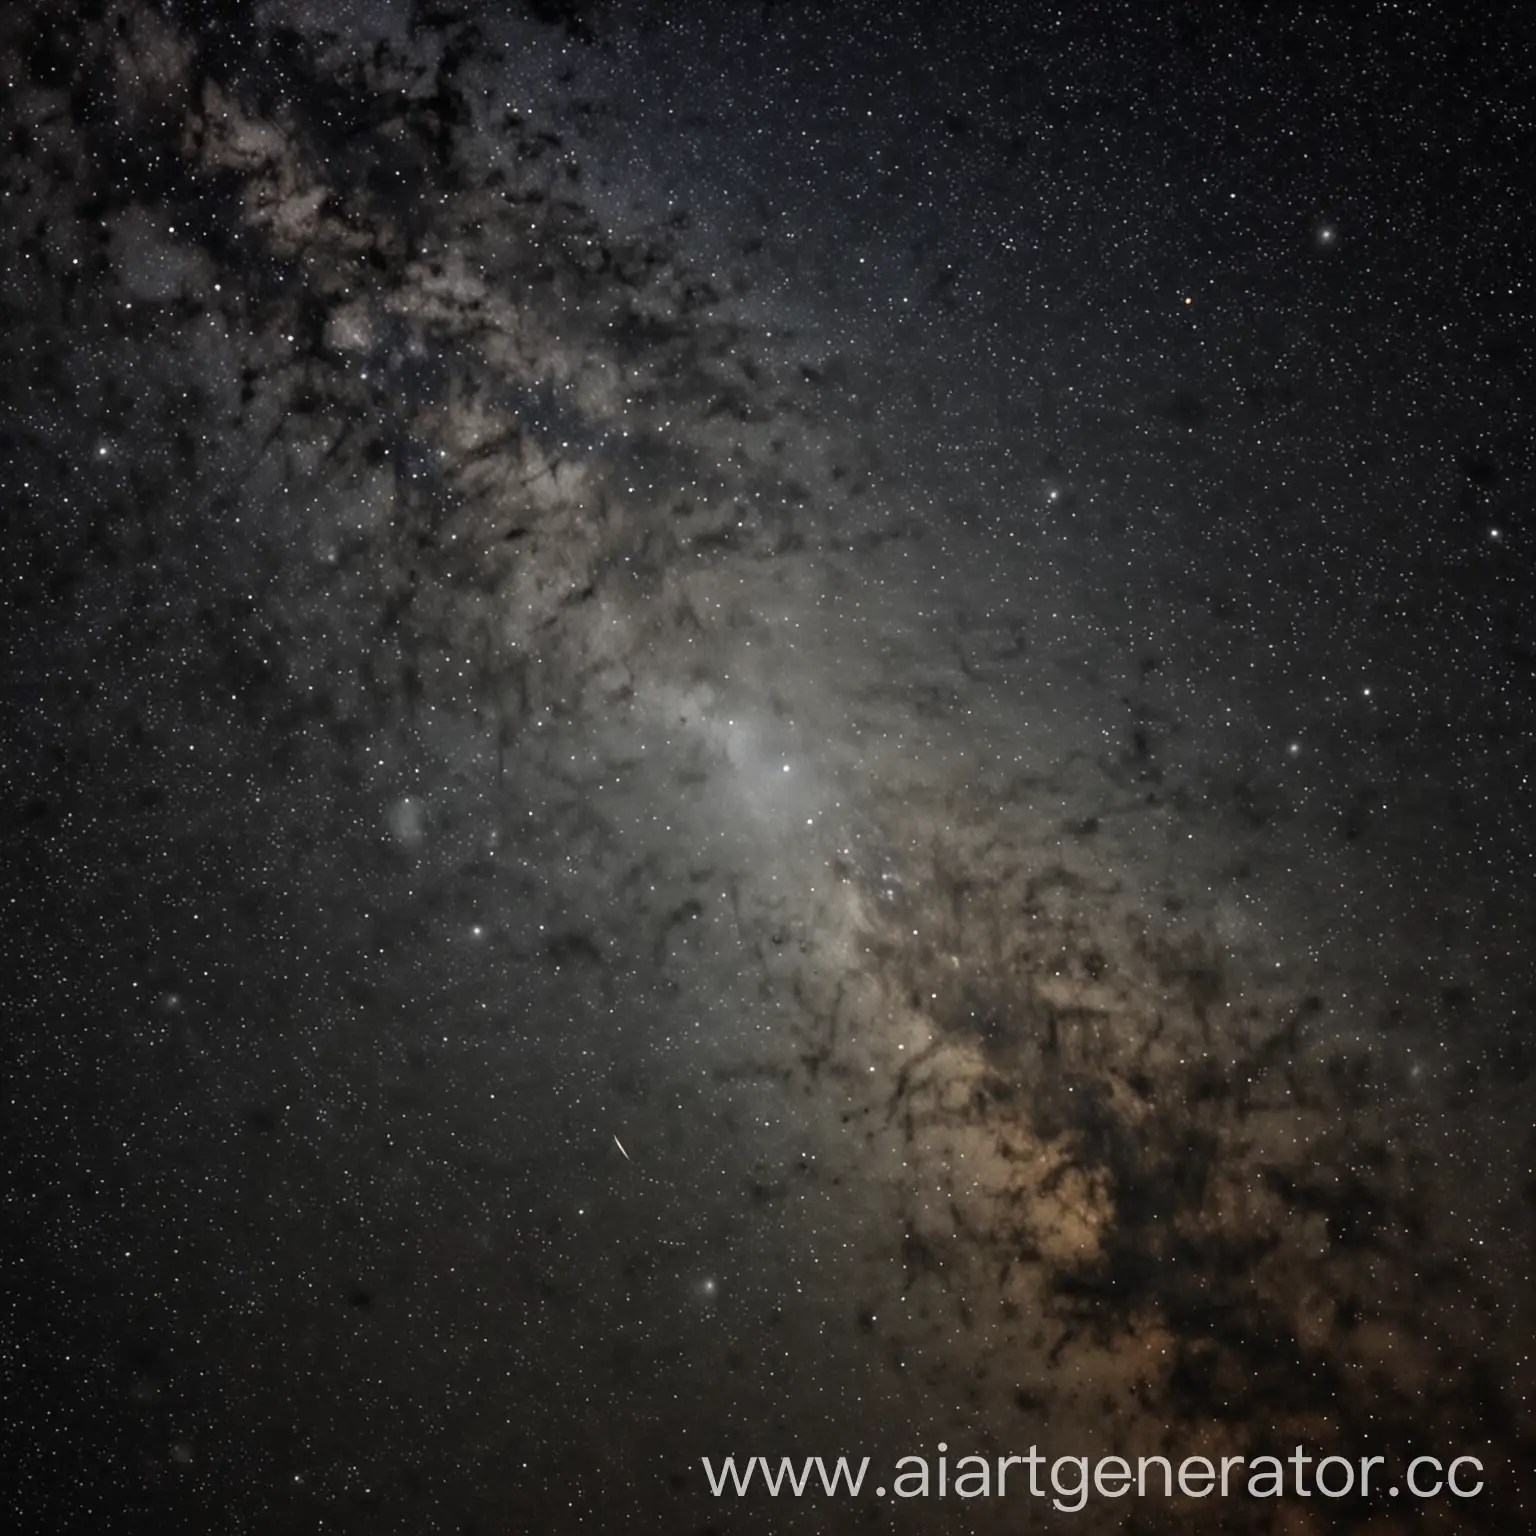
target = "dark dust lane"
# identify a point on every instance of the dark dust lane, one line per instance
(760, 732)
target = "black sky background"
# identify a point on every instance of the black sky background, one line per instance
(922, 613)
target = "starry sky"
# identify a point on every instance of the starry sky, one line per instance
(762, 729)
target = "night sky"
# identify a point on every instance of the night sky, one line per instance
(764, 729)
